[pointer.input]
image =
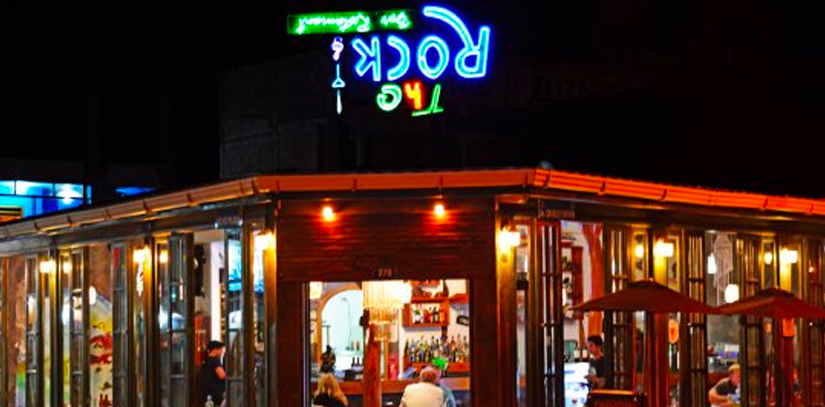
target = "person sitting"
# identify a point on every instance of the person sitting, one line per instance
(329, 394)
(425, 393)
(722, 394)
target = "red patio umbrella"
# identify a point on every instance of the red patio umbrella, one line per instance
(777, 304)
(653, 298)
(645, 295)
(773, 303)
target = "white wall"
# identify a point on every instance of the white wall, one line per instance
(342, 313)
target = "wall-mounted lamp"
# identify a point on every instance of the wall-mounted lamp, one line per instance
(328, 214)
(711, 264)
(639, 251)
(163, 257)
(265, 241)
(67, 266)
(140, 255)
(768, 258)
(788, 256)
(47, 266)
(316, 288)
(508, 239)
(663, 249)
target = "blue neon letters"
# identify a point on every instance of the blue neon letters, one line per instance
(404, 61)
(370, 57)
(470, 62)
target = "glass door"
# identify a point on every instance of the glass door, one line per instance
(693, 346)
(4, 264)
(232, 319)
(619, 327)
(174, 271)
(551, 314)
(813, 367)
(34, 340)
(748, 261)
(121, 315)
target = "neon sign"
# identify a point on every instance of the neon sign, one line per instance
(404, 67)
(348, 22)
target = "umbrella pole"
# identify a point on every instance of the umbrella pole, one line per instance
(655, 376)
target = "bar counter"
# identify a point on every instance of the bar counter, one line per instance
(353, 388)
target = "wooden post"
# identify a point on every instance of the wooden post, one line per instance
(371, 381)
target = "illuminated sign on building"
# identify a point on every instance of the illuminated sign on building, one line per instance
(406, 68)
(349, 22)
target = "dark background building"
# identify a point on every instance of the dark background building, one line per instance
(690, 92)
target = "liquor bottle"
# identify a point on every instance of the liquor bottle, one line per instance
(436, 316)
(466, 349)
(452, 348)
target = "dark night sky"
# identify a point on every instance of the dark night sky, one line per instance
(758, 128)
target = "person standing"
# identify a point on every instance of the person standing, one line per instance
(213, 375)
(596, 378)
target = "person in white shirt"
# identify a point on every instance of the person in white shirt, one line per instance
(425, 393)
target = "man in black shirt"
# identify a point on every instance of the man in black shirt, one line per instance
(596, 376)
(722, 393)
(213, 376)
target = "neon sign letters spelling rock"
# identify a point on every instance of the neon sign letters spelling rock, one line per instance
(389, 59)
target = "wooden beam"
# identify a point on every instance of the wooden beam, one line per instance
(292, 345)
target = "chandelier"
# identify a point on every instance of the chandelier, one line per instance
(384, 299)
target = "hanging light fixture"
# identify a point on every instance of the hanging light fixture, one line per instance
(731, 293)
(384, 299)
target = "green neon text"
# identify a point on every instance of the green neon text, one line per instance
(399, 19)
(348, 22)
(391, 92)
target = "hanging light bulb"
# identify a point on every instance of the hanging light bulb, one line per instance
(439, 211)
(731, 293)
(328, 214)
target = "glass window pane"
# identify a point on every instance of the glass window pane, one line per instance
(100, 347)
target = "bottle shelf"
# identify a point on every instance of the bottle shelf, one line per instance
(440, 305)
